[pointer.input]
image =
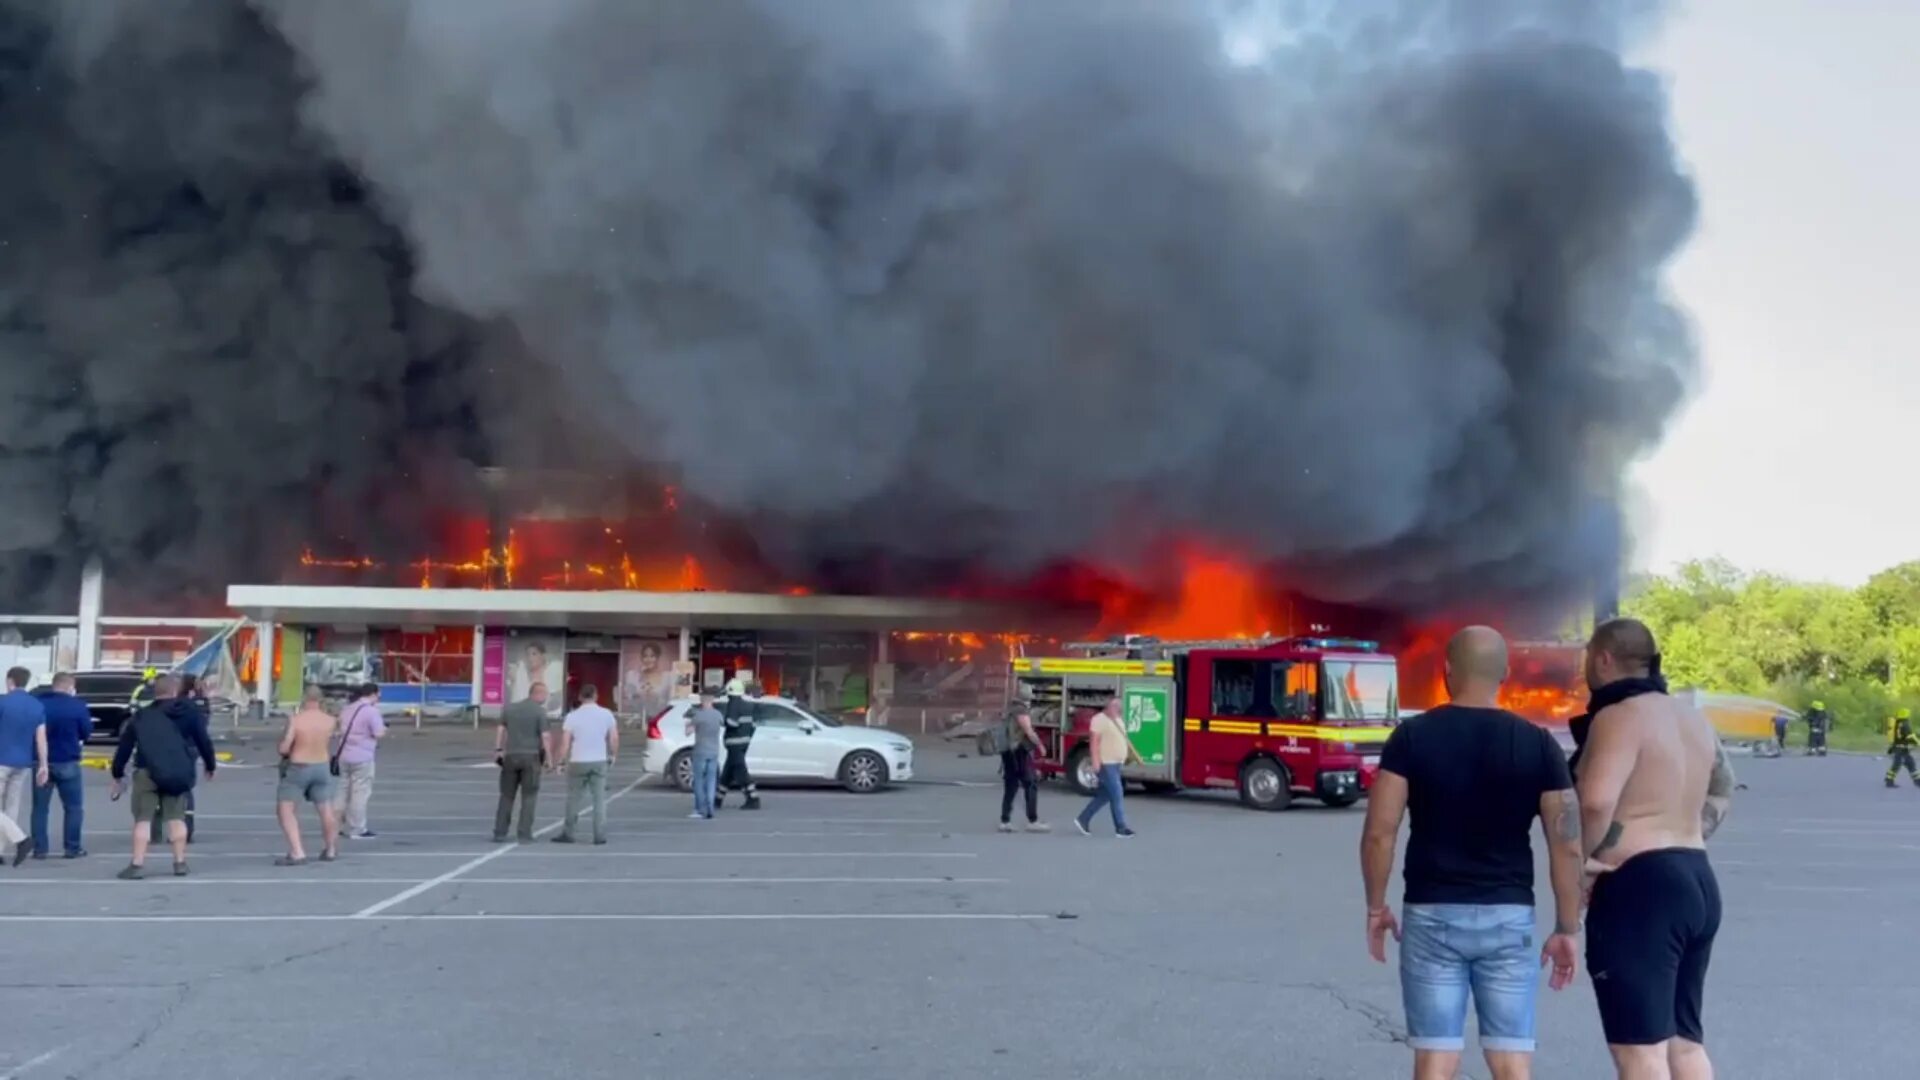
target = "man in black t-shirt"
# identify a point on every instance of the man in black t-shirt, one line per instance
(1474, 777)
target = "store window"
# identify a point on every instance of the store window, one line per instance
(418, 658)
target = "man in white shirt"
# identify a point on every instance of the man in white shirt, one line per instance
(1108, 743)
(589, 744)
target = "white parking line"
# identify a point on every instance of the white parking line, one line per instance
(31, 1064)
(1816, 888)
(164, 882)
(599, 854)
(850, 916)
(405, 895)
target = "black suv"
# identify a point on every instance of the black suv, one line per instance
(109, 697)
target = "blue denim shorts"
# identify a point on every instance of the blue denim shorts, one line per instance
(1450, 952)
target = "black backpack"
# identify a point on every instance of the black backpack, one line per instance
(164, 752)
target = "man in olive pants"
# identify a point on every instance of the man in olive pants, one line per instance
(589, 742)
(522, 747)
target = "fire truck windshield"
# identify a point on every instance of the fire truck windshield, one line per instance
(1361, 689)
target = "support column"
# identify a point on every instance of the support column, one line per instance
(92, 580)
(479, 668)
(263, 688)
(880, 682)
(686, 643)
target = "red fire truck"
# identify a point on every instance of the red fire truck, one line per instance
(1272, 718)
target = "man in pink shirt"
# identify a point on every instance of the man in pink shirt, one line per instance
(361, 729)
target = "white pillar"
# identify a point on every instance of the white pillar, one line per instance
(263, 670)
(686, 643)
(479, 664)
(92, 578)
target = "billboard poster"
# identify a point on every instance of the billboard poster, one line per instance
(1143, 710)
(493, 668)
(646, 676)
(537, 656)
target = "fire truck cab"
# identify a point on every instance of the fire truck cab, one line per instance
(1273, 718)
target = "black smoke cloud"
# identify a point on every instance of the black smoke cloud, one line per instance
(921, 280)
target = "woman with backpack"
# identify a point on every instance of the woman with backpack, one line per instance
(1017, 742)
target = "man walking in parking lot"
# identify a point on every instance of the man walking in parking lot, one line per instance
(69, 725)
(159, 741)
(704, 723)
(23, 757)
(1474, 777)
(306, 774)
(523, 748)
(590, 744)
(1108, 743)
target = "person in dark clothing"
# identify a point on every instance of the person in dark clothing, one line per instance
(149, 803)
(1021, 742)
(737, 737)
(1819, 721)
(1901, 741)
(1780, 721)
(69, 726)
(192, 692)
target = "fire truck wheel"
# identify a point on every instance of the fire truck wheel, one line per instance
(1080, 772)
(1264, 785)
(680, 768)
(863, 772)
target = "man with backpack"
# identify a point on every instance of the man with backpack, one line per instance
(1017, 742)
(160, 741)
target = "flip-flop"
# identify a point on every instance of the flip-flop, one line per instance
(288, 860)
(329, 856)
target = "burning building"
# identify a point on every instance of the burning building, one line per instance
(1209, 323)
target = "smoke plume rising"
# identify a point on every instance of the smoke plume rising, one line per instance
(1371, 289)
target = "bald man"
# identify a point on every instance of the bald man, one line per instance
(1654, 785)
(1474, 777)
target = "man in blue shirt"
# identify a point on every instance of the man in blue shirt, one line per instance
(23, 754)
(69, 725)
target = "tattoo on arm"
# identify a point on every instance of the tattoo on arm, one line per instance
(1719, 794)
(1613, 837)
(1566, 824)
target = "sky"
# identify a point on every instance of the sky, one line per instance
(1798, 454)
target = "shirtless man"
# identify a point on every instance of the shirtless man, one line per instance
(1654, 783)
(304, 774)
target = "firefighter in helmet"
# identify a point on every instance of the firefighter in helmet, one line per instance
(1901, 741)
(1819, 720)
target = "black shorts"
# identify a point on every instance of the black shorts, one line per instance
(1650, 931)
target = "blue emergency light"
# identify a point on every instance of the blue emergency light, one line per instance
(1349, 644)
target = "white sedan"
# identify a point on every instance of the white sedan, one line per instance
(790, 742)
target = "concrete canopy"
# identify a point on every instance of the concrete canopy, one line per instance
(620, 611)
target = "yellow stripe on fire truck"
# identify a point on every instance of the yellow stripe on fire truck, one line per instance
(1068, 666)
(1298, 731)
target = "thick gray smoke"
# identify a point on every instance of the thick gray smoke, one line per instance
(1371, 288)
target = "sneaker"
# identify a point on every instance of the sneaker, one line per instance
(79, 854)
(20, 853)
(563, 838)
(1082, 826)
(1039, 826)
(180, 868)
(365, 834)
(39, 855)
(599, 841)
(500, 838)
(1004, 827)
(1123, 833)
(752, 803)
(697, 816)
(132, 873)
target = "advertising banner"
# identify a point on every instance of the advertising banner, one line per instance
(1143, 709)
(646, 676)
(537, 656)
(493, 668)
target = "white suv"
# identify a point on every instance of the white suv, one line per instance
(790, 742)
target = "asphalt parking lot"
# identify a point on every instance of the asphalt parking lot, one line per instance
(834, 935)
